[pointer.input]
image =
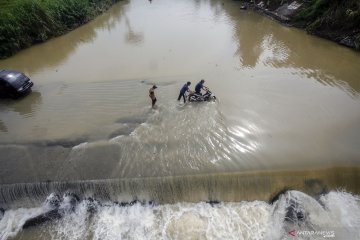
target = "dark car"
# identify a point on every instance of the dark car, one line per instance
(14, 84)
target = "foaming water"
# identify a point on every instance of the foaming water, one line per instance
(228, 187)
(192, 135)
(335, 215)
(172, 139)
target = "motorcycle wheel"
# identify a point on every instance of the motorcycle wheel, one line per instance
(192, 99)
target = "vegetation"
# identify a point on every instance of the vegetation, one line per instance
(334, 19)
(338, 20)
(331, 14)
(26, 22)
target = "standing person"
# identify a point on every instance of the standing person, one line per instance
(200, 86)
(152, 95)
(183, 90)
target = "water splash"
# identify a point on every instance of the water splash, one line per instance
(225, 220)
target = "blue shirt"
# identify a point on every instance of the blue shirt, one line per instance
(184, 89)
(198, 87)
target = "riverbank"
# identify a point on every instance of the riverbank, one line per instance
(26, 22)
(338, 21)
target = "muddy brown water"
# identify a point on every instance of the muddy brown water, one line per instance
(286, 117)
(286, 100)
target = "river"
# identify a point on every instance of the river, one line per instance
(287, 116)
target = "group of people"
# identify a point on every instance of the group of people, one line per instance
(199, 86)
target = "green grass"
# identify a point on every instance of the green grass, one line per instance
(336, 17)
(26, 22)
(339, 15)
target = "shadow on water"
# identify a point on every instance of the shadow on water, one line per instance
(133, 37)
(26, 105)
(59, 49)
(283, 47)
(3, 127)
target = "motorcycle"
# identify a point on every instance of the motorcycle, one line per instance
(207, 97)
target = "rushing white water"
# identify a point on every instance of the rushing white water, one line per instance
(335, 215)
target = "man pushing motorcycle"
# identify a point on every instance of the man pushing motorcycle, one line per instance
(200, 86)
(198, 97)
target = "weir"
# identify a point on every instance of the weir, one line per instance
(228, 187)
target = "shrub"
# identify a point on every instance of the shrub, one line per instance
(25, 22)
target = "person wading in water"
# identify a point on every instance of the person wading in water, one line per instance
(183, 90)
(152, 95)
(200, 86)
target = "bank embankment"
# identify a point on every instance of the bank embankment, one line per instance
(27, 22)
(338, 21)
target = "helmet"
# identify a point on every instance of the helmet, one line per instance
(188, 83)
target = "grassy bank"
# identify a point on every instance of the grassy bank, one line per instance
(334, 19)
(337, 20)
(26, 22)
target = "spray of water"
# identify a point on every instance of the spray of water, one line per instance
(295, 212)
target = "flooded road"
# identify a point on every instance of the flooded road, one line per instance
(286, 99)
(287, 102)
